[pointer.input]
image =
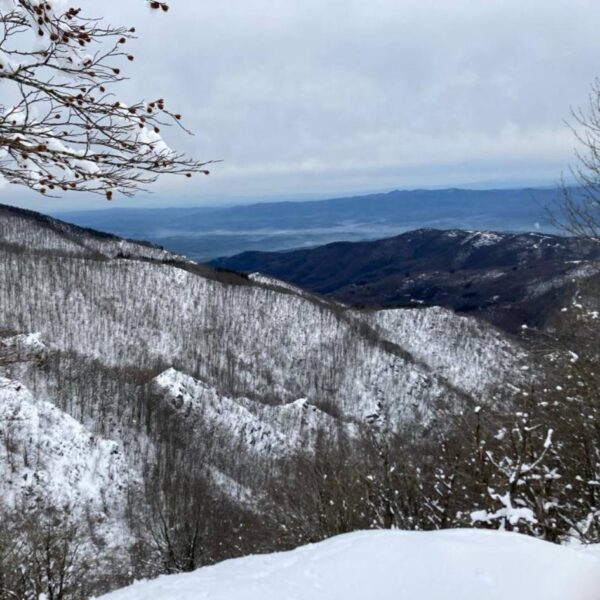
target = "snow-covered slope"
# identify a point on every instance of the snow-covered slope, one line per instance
(247, 374)
(393, 565)
(49, 459)
(33, 231)
(244, 340)
(277, 283)
(260, 436)
(472, 355)
(258, 428)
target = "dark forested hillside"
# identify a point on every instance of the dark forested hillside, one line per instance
(508, 279)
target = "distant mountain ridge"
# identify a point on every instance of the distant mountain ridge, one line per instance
(508, 278)
(204, 233)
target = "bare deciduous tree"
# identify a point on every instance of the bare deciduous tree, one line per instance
(63, 127)
(42, 556)
(579, 209)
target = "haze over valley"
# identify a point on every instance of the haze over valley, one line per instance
(206, 233)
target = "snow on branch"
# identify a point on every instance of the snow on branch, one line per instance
(64, 128)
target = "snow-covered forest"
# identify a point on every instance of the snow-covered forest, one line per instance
(216, 416)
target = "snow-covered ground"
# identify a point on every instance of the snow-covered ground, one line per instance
(48, 453)
(393, 565)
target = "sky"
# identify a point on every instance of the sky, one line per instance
(320, 98)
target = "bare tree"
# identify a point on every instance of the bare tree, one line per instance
(324, 496)
(522, 477)
(578, 212)
(42, 556)
(63, 127)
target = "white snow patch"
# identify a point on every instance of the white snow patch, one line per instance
(483, 238)
(393, 565)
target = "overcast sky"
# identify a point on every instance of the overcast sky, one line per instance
(321, 98)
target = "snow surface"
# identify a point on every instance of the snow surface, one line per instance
(479, 239)
(393, 565)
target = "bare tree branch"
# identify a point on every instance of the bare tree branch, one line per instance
(65, 129)
(578, 212)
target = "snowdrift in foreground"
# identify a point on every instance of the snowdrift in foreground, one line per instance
(393, 565)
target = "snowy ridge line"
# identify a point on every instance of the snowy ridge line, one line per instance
(277, 283)
(272, 283)
(269, 431)
(263, 436)
(34, 231)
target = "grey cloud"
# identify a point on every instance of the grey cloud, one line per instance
(308, 97)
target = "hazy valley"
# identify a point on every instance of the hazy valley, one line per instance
(204, 233)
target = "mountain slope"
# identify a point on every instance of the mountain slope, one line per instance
(509, 279)
(51, 461)
(467, 352)
(37, 232)
(171, 387)
(102, 309)
(113, 324)
(260, 428)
